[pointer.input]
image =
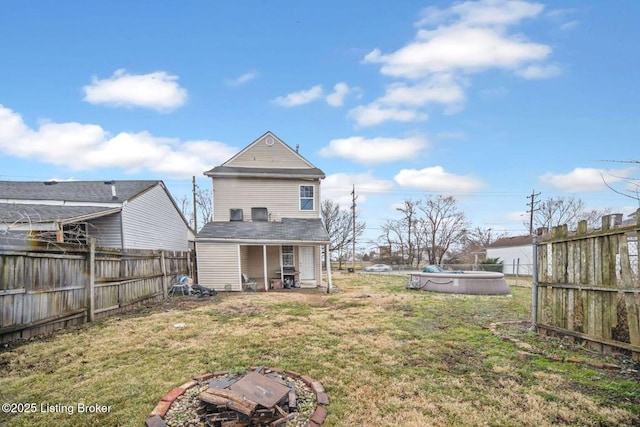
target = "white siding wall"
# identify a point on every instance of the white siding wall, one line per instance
(151, 221)
(107, 231)
(218, 266)
(509, 257)
(280, 196)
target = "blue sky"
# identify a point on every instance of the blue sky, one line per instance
(483, 100)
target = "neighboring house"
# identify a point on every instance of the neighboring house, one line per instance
(118, 214)
(266, 221)
(516, 254)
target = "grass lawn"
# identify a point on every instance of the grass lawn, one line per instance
(387, 356)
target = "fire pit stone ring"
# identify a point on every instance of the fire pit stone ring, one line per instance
(260, 396)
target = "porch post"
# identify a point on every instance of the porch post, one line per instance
(264, 267)
(327, 257)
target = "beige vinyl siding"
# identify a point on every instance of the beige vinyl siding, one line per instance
(281, 197)
(218, 266)
(260, 155)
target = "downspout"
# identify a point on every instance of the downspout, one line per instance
(534, 287)
(122, 228)
(264, 267)
(327, 259)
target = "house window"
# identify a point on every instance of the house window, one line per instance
(306, 198)
(287, 256)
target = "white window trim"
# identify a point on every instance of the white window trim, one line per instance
(313, 198)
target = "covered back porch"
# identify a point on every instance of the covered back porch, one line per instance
(281, 266)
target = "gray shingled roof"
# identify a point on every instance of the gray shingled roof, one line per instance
(221, 171)
(506, 242)
(289, 230)
(73, 191)
(11, 213)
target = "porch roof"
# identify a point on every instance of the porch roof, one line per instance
(14, 213)
(289, 230)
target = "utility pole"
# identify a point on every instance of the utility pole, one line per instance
(532, 209)
(195, 218)
(353, 226)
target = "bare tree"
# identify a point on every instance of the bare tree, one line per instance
(482, 237)
(444, 225)
(566, 210)
(430, 226)
(409, 222)
(339, 226)
(204, 205)
(632, 185)
(394, 238)
(473, 244)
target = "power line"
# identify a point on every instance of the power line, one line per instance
(353, 219)
(532, 209)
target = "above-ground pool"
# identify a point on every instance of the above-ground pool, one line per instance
(461, 282)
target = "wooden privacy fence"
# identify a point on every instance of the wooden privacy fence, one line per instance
(588, 285)
(44, 287)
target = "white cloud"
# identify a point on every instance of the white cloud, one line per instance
(483, 12)
(340, 91)
(376, 113)
(376, 150)
(585, 179)
(157, 91)
(243, 78)
(451, 45)
(458, 48)
(437, 179)
(338, 187)
(300, 98)
(537, 71)
(442, 89)
(77, 147)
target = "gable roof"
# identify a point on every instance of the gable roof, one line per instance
(267, 157)
(291, 230)
(66, 202)
(506, 242)
(73, 191)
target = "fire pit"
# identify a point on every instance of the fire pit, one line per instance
(257, 398)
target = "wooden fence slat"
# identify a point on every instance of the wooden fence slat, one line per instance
(38, 289)
(588, 284)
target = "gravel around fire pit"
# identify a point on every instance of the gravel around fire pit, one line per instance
(186, 409)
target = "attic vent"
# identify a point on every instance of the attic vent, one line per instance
(235, 214)
(50, 182)
(259, 214)
(109, 182)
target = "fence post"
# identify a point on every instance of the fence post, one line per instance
(164, 274)
(534, 287)
(91, 307)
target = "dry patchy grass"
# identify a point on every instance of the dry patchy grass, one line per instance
(386, 355)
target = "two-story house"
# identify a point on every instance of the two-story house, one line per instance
(266, 221)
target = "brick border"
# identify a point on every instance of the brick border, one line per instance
(156, 418)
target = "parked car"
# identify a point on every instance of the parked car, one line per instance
(378, 268)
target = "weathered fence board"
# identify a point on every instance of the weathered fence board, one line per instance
(588, 285)
(44, 288)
